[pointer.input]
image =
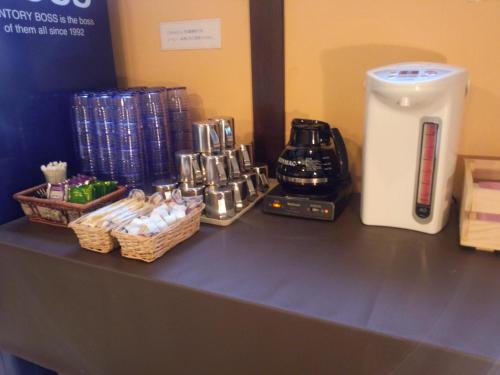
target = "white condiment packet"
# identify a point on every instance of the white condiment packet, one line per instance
(152, 227)
(178, 214)
(161, 225)
(133, 229)
(137, 222)
(170, 219)
(155, 216)
(179, 207)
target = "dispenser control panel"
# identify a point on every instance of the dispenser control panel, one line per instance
(411, 75)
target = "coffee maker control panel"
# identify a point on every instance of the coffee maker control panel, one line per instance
(328, 208)
(299, 207)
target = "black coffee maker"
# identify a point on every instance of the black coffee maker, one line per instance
(313, 172)
(314, 162)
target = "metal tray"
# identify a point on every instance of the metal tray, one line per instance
(226, 222)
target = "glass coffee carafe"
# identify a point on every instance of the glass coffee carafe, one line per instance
(314, 160)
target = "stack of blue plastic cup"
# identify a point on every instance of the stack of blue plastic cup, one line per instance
(160, 153)
(130, 140)
(86, 137)
(102, 103)
(179, 121)
(131, 135)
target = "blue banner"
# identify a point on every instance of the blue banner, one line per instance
(48, 49)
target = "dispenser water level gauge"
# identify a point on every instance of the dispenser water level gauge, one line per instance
(427, 166)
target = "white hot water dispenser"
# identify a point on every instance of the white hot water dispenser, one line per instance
(412, 127)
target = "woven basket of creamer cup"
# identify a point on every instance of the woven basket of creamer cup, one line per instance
(150, 248)
(97, 238)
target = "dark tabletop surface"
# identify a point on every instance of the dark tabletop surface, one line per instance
(391, 281)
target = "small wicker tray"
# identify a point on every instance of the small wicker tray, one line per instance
(96, 238)
(59, 213)
(148, 249)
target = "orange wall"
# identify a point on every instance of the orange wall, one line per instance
(218, 80)
(330, 44)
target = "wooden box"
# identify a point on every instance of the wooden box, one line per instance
(480, 208)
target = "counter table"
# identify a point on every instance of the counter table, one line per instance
(267, 295)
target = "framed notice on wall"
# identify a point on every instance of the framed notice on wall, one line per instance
(192, 34)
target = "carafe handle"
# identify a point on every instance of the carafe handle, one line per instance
(341, 152)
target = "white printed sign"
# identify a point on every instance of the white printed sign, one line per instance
(193, 34)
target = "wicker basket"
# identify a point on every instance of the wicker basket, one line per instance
(96, 238)
(56, 212)
(148, 249)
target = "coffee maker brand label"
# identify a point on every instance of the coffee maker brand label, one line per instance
(311, 165)
(290, 163)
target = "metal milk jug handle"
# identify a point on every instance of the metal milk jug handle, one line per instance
(246, 157)
(235, 166)
(198, 174)
(214, 140)
(251, 187)
(264, 182)
(228, 131)
(222, 173)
